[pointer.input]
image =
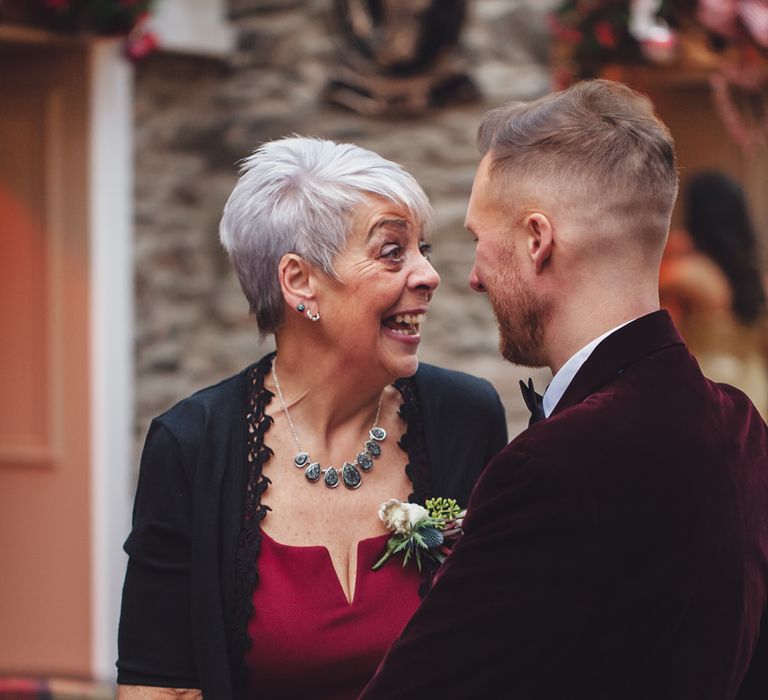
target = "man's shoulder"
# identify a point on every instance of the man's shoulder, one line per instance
(656, 418)
(613, 425)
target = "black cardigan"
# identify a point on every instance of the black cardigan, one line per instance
(183, 615)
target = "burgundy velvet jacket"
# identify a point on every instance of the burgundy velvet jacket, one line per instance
(616, 550)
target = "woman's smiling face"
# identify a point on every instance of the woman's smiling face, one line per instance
(375, 314)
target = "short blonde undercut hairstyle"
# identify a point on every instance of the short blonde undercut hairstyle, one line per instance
(598, 138)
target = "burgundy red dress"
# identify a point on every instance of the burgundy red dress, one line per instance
(308, 640)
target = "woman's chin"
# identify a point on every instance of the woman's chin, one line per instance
(400, 353)
(403, 366)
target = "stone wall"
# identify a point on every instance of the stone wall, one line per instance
(196, 118)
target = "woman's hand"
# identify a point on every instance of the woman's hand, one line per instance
(145, 692)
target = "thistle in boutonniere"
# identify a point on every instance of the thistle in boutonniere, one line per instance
(421, 532)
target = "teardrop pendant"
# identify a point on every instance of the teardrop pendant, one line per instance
(377, 433)
(351, 476)
(331, 478)
(312, 472)
(364, 461)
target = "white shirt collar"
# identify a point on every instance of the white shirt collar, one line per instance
(567, 372)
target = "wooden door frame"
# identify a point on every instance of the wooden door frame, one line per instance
(107, 226)
(112, 339)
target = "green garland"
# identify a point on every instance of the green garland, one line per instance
(597, 31)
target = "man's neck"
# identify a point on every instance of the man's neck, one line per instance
(567, 335)
(564, 376)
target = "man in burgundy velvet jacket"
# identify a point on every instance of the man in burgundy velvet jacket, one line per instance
(618, 548)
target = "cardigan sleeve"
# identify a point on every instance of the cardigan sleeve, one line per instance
(155, 638)
(465, 427)
(497, 426)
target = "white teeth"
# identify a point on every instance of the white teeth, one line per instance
(408, 319)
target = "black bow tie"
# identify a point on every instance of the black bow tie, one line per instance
(533, 401)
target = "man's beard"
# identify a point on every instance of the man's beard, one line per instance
(520, 315)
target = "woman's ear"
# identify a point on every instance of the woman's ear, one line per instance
(296, 278)
(540, 239)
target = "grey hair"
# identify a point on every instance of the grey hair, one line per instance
(298, 195)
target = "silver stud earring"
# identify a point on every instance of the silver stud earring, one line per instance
(313, 317)
(300, 308)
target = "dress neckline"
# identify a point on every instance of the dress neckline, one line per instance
(364, 545)
(283, 545)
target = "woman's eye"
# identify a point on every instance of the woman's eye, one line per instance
(392, 252)
(425, 249)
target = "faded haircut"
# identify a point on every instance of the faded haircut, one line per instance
(596, 141)
(298, 195)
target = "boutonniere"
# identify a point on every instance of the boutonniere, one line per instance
(422, 532)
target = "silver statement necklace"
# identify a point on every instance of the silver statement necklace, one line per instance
(349, 472)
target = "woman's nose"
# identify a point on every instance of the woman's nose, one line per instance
(425, 276)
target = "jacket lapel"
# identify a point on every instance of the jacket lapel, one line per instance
(638, 339)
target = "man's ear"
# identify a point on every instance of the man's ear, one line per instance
(296, 278)
(540, 239)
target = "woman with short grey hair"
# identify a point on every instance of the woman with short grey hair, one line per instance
(255, 525)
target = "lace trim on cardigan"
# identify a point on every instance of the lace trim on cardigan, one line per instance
(412, 442)
(249, 542)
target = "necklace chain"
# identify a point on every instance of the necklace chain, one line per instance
(349, 474)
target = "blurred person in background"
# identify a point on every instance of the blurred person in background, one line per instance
(250, 559)
(711, 283)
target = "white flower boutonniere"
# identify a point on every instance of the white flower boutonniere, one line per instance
(420, 532)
